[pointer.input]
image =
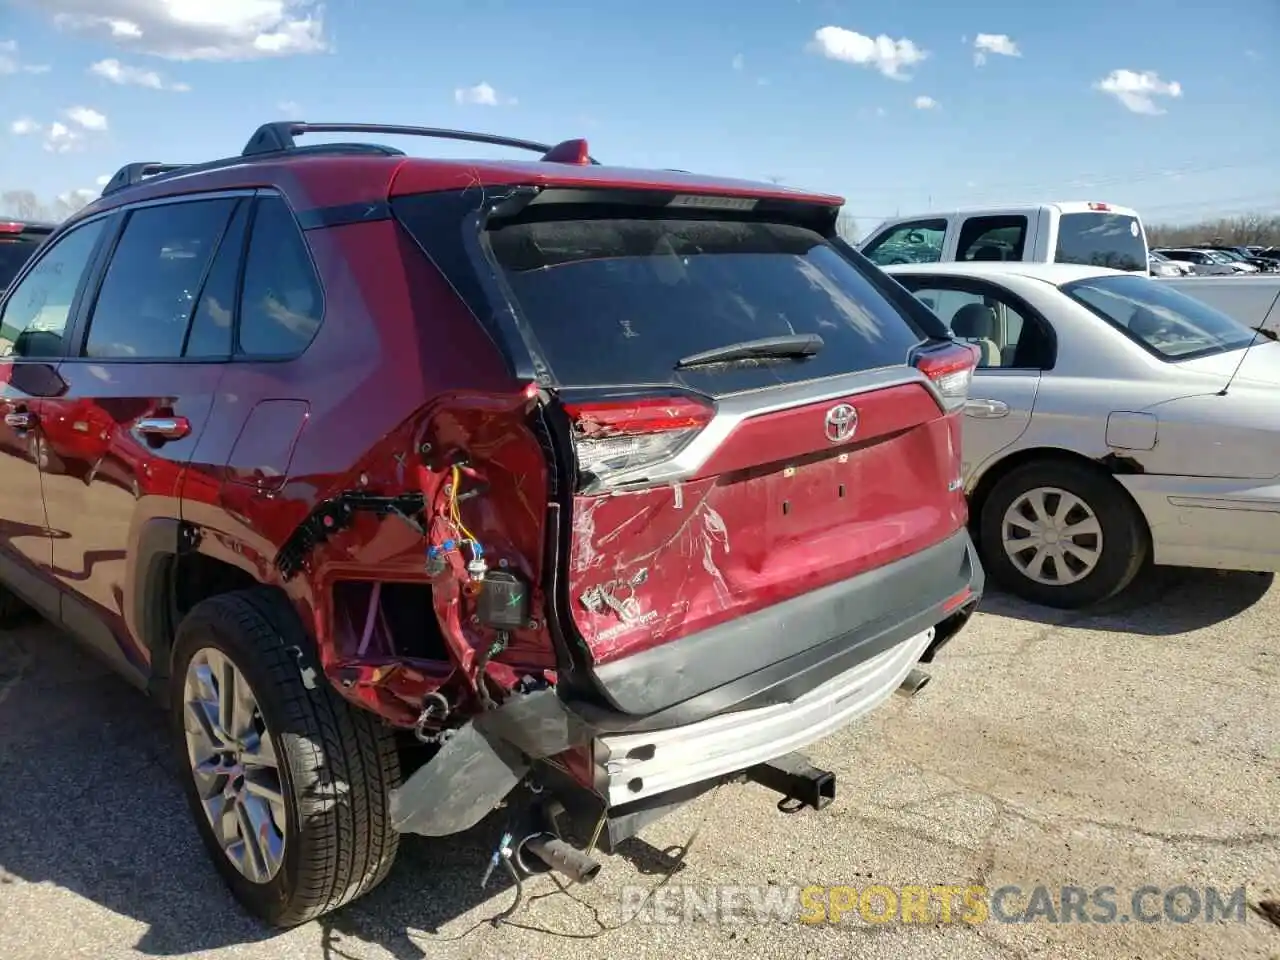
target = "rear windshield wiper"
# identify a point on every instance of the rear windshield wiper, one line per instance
(766, 348)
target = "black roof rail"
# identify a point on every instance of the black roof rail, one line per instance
(279, 136)
(132, 173)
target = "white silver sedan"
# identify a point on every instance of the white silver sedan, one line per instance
(1113, 422)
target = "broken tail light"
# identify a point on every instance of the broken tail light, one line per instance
(951, 371)
(619, 439)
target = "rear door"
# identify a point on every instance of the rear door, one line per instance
(997, 236)
(1020, 347)
(145, 362)
(709, 490)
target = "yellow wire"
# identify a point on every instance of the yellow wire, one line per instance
(454, 514)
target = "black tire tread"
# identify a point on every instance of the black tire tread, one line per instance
(347, 845)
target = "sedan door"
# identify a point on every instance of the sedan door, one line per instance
(1015, 345)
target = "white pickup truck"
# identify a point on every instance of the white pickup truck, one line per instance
(1085, 232)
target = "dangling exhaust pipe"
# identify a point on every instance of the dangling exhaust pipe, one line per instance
(914, 682)
(541, 852)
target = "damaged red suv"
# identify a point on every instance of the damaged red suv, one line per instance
(415, 488)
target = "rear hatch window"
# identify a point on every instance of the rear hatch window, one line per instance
(1097, 239)
(624, 301)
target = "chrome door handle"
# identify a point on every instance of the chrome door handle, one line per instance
(986, 409)
(164, 428)
(23, 420)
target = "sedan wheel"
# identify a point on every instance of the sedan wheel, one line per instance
(1061, 533)
(233, 761)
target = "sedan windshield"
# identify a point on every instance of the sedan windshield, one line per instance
(1170, 324)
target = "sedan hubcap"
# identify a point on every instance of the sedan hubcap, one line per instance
(233, 762)
(1052, 536)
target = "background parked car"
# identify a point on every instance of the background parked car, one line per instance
(1162, 266)
(1114, 421)
(18, 240)
(1204, 262)
(1244, 255)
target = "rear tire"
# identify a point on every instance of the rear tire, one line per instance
(1085, 539)
(298, 753)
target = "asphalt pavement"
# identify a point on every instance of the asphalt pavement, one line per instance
(1129, 747)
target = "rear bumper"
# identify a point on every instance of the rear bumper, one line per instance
(781, 653)
(642, 765)
(1210, 522)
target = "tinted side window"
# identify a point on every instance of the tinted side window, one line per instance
(282, 303)
(992, 238)
(917, 242)
(1101, 240)
(35, 315)
(214, 319)
(147, 295)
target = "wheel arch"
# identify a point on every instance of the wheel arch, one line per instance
(1108, 466)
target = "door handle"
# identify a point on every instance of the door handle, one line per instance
(986, 409)
(21, 420)
(164, 428)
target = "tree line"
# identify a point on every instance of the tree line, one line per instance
(1247, 230)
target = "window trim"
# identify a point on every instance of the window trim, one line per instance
(87, 277)
(985, 288)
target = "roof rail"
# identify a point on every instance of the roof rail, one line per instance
(279, 136)
(132, 173)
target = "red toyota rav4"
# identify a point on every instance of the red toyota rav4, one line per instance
(414, 488)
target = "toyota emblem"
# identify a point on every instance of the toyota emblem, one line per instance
(841, 422)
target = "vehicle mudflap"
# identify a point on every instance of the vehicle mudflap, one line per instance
(482, 761)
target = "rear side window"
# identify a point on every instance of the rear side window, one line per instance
(147, 296)
(281, 304)
(36, 312)
(622, 301)
(992, 238)
(1101, 240)
(917, 242)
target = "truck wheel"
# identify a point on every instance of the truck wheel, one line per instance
(287, 782)
(1061, 534)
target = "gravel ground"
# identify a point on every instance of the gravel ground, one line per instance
(1138, 745)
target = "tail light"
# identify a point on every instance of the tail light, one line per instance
(7, 226)
(613, 439)
(951, 371)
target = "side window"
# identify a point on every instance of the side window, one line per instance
(992, 238)
(144, 305)
(917, 242)
(1007, 335)
(212, 323)
(35, 316)
(281, 304)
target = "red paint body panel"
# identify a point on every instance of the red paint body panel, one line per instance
(768, 519)
(264, 449)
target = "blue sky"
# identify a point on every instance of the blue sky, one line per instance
(1166, 105)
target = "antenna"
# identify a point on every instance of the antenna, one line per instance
(1252, 340)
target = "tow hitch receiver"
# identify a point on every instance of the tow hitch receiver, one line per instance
(800, 783)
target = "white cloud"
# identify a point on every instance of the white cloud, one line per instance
(290, 107)
(482, 94)
(59, 138)
(23, 127)
(1137, 91)
(10, 63)
(885, 54)
(739, 61)
(103, 180)
(925, 103)
(75, 199)
(86, 117)
(999, 44)
(198, 29)
(124, 75)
